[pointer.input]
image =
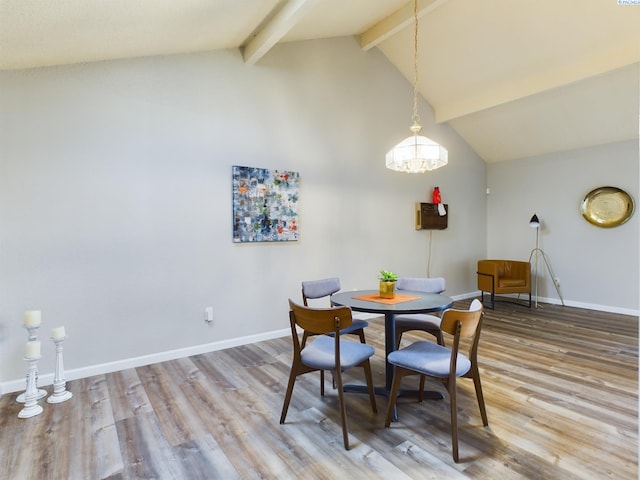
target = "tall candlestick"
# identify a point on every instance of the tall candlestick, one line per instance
(32, 318)
(60, 393)
(32, 336)
(31, 407)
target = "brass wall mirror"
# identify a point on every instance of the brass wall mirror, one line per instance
(607, 207)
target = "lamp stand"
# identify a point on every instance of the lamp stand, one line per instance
(535, 254)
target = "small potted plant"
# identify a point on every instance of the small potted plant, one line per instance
(387, 284)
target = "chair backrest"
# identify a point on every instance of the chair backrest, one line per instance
(319, 288)
(463, 324)
(505, 268)
(419, 284)
(319, 320)
(469, 320)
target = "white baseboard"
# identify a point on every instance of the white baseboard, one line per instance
(18, 385)
(556, 301)
(592, 306)
(91, 370)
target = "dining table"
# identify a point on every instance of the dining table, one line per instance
(404, 302)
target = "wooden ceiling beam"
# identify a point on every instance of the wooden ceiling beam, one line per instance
(395, 22)
(283, 21)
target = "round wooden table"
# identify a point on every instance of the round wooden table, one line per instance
(406, 302)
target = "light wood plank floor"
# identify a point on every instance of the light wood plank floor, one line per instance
(561, 387)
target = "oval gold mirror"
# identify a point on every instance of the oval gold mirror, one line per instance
(607, 207)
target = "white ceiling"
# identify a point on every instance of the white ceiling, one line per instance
(513, 78)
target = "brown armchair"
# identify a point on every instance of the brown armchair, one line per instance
(503, 277)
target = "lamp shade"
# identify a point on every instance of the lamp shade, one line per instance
(416, 154)
(534, 222)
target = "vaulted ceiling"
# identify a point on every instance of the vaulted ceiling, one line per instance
(513, 78)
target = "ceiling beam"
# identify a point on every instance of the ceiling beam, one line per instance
(283, 21)
(572, 73)
(395, 22)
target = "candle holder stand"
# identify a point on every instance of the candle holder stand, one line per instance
(31, 407)
(32, 336)
(60, 393)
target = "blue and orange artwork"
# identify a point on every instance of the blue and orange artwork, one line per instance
(265, 205)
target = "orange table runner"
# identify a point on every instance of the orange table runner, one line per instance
(375, 297)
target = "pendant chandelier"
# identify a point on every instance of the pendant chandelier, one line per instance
(416, 154)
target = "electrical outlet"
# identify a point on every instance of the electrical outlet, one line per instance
(208, 314)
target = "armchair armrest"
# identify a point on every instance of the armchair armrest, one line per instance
(487, 275)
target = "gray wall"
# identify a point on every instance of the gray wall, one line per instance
(115, 197)
(597, 267)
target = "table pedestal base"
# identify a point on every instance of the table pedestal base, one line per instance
(382, 391)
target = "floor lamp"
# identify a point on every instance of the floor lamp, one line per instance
(536, 253)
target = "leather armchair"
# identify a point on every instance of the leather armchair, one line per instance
(504, 277)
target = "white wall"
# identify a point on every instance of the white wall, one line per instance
(597, 267)
(115, 196)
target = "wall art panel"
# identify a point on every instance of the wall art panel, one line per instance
(265, 205)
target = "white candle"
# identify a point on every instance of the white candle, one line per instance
(33, 349)
(57, 333)
(32, 318)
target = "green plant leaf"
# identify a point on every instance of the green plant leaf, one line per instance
(387, 276)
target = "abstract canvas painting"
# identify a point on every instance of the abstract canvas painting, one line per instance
(265, 205)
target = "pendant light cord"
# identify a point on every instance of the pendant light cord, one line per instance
(429, 254)
(416, 117)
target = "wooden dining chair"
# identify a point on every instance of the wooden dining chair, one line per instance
(323, 289)
(419, 321)
(327, 353)
(444, 364)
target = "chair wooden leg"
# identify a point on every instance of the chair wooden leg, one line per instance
(454, 419)
(322, 383)
(343, 411)
(421, 389)
(287, 397)
(480, 396)
(369, 378)
(398, 338)
(393, 395)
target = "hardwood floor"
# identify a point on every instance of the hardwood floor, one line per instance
(560, 384)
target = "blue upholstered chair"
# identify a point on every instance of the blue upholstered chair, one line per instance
(419, 321)
(327, 353)
(321, 289)
(443, 364)
(326, 287)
